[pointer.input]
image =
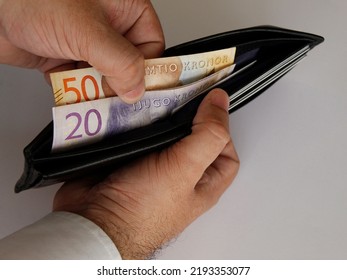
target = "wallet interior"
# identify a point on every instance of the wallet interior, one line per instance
(263, 55)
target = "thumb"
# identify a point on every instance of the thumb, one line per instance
(210, 136)
(119, 61)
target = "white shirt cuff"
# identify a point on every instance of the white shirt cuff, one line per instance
(59, 235)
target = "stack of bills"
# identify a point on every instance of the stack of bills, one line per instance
(87, 110)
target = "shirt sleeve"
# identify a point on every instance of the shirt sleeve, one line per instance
(59, 236)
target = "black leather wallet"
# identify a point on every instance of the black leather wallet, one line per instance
(264, 54)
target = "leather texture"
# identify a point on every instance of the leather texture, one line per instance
(277, 51)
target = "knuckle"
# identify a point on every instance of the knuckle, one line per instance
(207, 202)
(217, 130)
(181, 161)
(129, 72)
(131, 66)
(214, 199)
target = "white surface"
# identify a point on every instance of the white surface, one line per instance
(289, 200)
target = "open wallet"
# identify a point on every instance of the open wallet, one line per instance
(263, 55)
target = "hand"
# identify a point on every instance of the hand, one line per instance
(113, 36)
(150, 201)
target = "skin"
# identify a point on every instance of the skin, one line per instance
(146, 203)
(114, 36)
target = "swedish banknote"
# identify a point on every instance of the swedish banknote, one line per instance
(89, 122)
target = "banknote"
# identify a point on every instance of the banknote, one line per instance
(85, 123)
(88, 84)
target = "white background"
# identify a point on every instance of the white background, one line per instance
(289, 200)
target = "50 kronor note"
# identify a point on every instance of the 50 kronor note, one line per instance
(88, 84)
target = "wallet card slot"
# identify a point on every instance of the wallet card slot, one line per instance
(287, 62)
(270, 79)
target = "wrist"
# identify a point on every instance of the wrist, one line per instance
(129, 240)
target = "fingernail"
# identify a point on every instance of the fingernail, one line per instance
(134, 95)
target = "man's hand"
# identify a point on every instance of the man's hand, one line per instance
(113, 36)
(144, 204)
(147, 203)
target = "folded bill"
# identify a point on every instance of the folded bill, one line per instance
(89, 122)
(88, 84)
